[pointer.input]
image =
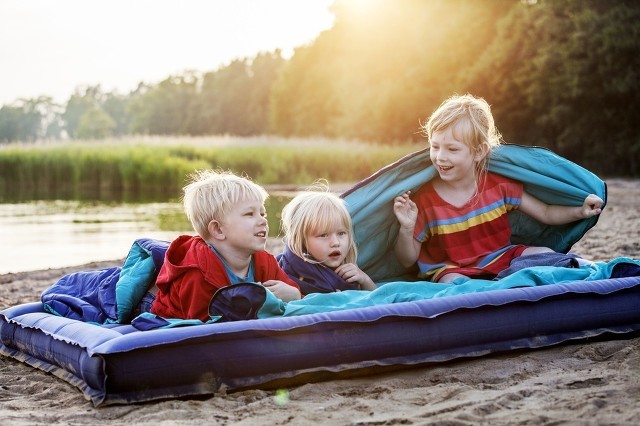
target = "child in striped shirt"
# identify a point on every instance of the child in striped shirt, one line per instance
(456, 225)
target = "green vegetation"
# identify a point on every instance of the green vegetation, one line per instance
(562, 74)
(157, 168)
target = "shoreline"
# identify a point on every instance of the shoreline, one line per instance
(7, 277)
(624, 187)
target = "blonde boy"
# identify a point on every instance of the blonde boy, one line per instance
(228, 213)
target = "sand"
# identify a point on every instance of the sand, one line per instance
(586, 382)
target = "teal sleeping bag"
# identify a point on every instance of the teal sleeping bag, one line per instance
(545, 175)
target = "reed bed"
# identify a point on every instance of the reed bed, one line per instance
(157, 168)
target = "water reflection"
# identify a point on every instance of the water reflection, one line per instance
(52, 234)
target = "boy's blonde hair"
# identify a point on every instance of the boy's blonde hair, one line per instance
(471, 122)
(211, 194)
(312, 211)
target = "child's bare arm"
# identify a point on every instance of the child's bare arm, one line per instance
(552, 214)
(282, 290)
(353, 274)
(407, 248)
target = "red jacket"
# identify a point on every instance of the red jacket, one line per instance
(191, 274)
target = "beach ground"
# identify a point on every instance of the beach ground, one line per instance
(593, 381)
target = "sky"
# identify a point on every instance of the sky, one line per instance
(51, 47)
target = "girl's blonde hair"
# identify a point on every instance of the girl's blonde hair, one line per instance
(314, 211)
(211, 194)
(471, 122)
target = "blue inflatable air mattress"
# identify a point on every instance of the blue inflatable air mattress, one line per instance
(403, 323)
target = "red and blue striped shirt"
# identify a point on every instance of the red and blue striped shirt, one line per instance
(473, 239)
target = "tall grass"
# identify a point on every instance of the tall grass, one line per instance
(157, 168)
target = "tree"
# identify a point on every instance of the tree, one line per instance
(164, 109)
(10, 119)
(263, 72)
(117, 107)
(382, 68)
(565, 75)
(95, 124)
(29, 119)
(83, 100)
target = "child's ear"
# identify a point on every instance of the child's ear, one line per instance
(215, 230)
(481, 152)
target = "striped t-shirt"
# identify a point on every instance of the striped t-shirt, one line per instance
(474, 239)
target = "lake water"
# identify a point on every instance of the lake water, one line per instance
(53, 234)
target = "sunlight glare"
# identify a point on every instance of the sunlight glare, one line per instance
(119, 43)
(364, 9)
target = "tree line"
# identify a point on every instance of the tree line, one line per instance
(562, 74)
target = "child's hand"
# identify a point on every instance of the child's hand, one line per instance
(352, 274)
(591, 206)
(405, 210)
(282, 291)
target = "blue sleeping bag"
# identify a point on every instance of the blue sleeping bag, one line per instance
(545, 175)
(108, 295)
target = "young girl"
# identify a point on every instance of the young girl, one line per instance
(320, 254)
(456, 225)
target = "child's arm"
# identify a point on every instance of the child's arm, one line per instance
(551, 214)
(282, 290)
(353, 274)
(407, 248)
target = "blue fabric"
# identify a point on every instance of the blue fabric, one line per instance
(144, 305)
(403, 291)
(312, 277)
(540, 259)
(91, 296)
(244, 301)
(147, 321)
(238, 302)
(109, 295)
(139, 272)
(252, 301)
(547, 176)
(85, 296)
(117, 363)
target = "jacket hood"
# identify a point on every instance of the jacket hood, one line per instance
(187, 253)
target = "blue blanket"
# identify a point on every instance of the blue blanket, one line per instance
(109, 296)
(547, 176)
(257, 303)
(312, 277)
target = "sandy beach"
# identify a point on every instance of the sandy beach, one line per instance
(586, 382)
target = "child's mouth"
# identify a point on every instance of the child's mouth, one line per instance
(261, 234)
(334, 254)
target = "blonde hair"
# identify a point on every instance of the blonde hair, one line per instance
(470, 121)
(211, 194)
(315, 210)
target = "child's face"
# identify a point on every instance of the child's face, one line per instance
(245, 226)
(329, 246)
(452, 158)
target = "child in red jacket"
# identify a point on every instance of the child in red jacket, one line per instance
(228, 213)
